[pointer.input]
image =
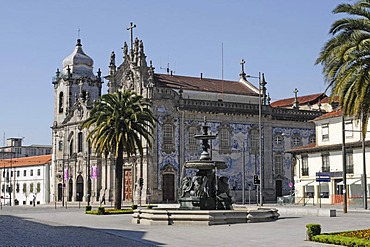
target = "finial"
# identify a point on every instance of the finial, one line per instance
(78, 42)
(57, 73)
(112, 58)
(99, 73)
(296, 103)
(242, 73)
(68, 71)
(125, 49)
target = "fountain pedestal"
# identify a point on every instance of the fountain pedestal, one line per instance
(205, 190)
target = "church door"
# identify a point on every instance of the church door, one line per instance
(168, 187)
(279, 188)
(127, 188)
(79, 188)
(70, 189)
(60, 191)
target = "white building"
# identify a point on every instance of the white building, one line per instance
(326, 156)
(23, 178)
(15, 149)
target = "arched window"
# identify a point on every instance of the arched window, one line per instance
(31, 187)
(278, 140)
(312, 139)
(80, 141)
(71, 148)
(61, 98)
(38, 187)
(296, 141)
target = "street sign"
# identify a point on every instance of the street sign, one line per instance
(322, 176)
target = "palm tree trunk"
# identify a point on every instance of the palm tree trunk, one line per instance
(118, 182)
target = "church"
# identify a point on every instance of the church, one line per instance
(252, 134)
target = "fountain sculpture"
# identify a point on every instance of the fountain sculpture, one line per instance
(205, 190)
(203, 198)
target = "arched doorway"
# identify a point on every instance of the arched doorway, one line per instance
(70, 189)
(127, 188)
(279, 188)
(79, 188)
(168, 187)
(60, 191)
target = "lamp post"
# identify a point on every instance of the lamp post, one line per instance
(344, 166)
(261, 85)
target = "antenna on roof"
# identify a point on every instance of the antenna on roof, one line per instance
(222, 70)
(78, 33)
(167, 69)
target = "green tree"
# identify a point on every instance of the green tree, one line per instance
(118, 124)
(346, 60)
(346, 64)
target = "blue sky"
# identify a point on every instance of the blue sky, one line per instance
(279, 38)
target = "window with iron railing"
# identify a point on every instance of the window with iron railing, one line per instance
(349, 162)
(305, 166)
(325, 163)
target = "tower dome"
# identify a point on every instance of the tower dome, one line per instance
(79, 63)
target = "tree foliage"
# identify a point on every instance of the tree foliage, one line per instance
(118, 123)
(346, 60)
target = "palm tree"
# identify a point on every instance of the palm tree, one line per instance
(346, 60)
(118, 123)
(346, 65)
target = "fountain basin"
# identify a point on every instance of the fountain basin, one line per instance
(172, 216)
(205, 165)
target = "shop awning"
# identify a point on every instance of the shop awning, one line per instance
(351, 181)
(304, 182)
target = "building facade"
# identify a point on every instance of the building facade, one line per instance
(25, 180)
(237, 111)
(15, 149)
(326, 156)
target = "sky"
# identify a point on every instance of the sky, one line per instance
(281, 39)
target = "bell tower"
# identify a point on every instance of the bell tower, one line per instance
(76, 87)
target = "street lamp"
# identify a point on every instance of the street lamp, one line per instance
(261, 87)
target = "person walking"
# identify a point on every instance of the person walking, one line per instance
(34, 200)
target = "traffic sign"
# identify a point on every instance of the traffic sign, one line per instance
(322, 176)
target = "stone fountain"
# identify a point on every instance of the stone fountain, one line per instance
(203, 198)
(205, 190)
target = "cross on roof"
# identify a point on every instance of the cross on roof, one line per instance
(131, 28)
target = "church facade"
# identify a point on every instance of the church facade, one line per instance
(237, 111)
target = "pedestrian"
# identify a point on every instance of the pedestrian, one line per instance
(34, 200)
(103, 199)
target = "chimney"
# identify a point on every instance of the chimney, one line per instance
(201, 76)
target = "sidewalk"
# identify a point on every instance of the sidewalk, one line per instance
(286, 231)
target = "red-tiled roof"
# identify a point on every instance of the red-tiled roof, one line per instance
(26, 161)
(309, 146)
(313, 98)
(332, 114)
(203, 84)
